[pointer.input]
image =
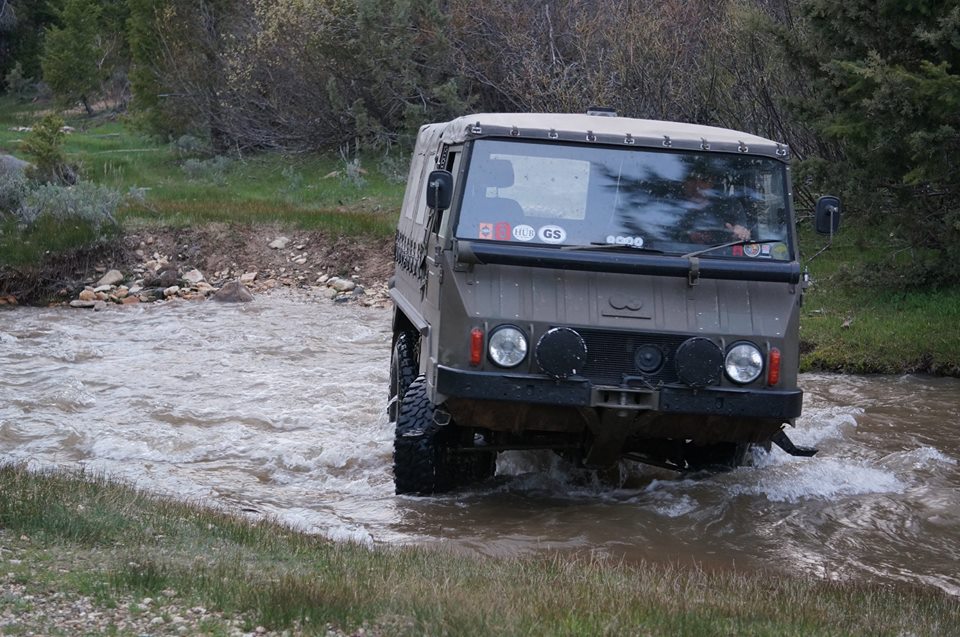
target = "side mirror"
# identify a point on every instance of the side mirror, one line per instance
(439, 190)
(827, 216)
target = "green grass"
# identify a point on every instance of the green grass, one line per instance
(24, 248)
(299, 191)
(82, 535)
(875, 326)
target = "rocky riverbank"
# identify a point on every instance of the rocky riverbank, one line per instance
(215, 261)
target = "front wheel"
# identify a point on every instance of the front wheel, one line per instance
(425, 459)
(404, 366)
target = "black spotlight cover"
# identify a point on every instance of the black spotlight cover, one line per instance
(561, 352)
(699, 362)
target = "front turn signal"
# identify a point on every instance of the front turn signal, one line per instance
(773, 366)
(476, 346)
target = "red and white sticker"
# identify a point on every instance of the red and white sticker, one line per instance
(752, 249)
(485, 231)
(552, 234)
(502, 231)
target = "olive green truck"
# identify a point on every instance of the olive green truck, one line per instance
(600, 286)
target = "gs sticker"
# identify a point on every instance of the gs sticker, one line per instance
(552, 234)
(486, 231)
(752, 249)
(524, 232)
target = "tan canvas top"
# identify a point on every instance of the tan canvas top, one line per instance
(616, 130)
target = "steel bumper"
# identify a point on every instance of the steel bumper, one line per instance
(576, 392)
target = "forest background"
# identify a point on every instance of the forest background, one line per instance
(865, 92)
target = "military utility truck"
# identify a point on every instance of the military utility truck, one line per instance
(600, 286)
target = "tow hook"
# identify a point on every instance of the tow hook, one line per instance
(781, 440)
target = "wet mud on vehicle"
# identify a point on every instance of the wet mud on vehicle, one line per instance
(603, 287)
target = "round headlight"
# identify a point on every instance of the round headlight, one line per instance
(507, 346)
(743, 363)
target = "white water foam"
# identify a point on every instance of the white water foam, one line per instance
(823, 478)
(918, 459)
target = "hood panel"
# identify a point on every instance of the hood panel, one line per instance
(630, 302)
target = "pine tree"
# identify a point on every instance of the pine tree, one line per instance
(888, 88)
(70, 53)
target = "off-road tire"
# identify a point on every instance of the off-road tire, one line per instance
(424, 460)
(404, 366)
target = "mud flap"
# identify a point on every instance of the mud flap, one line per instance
(781, 440)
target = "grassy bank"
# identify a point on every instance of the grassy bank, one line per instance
(885, 327)
(81, 537)
(844, 327)
(183, 183)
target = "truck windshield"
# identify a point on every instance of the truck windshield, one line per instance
(675, 202)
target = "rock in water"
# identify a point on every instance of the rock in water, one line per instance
(233, 292)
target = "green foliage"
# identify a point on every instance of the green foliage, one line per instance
(213, 169)
(13, 190)
(16, 83)
(21, 34)
(887, 77)
(44, 145)
(89, 203)
(71, 52)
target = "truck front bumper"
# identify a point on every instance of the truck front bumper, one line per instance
(577, 392)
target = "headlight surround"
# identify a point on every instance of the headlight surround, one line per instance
(507, 346)
(743, 363)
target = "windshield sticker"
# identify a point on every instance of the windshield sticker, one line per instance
(502, 231)
(736, 251)
(552, 234)
(779, 251)
(636, 242)
(765, 250)
(486, 231)
(752, 249)
(523, 232)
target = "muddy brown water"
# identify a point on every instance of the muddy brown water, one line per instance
(276, 408)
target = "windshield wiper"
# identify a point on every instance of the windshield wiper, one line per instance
(596, 245)
(738, 242)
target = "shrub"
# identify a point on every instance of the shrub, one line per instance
(13, 190)
(190, 146)
(50, 220)
(44, 145)
(17, 84)
(213, 169)
(87, 202)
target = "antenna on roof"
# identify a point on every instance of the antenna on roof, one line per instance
(601, 111)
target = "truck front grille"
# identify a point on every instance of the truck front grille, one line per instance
(611, 356)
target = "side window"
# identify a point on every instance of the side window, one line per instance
(442, 226)
(422, 192)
